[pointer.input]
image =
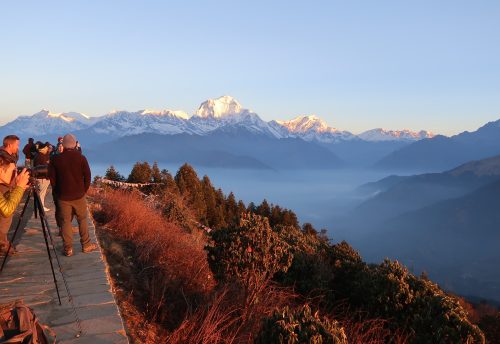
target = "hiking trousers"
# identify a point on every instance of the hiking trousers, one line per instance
(77, 207)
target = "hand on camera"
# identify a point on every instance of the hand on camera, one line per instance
(23, 178)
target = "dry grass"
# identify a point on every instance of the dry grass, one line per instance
(172, 263)
(227, 319)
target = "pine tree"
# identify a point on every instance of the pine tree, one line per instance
(232, 216)
(113, 174)
(191, 189)
(251, 208)
(156, 174)
(168, 181)
(307, 228)
(241, 208)
(264, 209)
(141, 173)
(211, 219)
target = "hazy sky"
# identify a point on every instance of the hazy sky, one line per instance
(358, 64)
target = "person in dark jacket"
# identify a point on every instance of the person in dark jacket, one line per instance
(69, 175)
(28, 151)
(42, 159)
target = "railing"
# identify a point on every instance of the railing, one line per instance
(123, 185)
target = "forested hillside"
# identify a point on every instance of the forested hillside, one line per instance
(194, 265)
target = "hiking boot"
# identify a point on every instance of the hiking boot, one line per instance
(68, 252)
(89, 247)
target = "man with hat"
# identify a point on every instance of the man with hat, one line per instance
(69, 174)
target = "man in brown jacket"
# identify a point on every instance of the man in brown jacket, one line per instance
(69, 174)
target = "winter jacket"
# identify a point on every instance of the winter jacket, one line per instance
(69, 175)
(10, 200)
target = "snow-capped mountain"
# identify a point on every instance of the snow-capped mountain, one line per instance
(123, 123)
(226, 113)
(380, 134)
(46, 122)
(219, 108)
(311, 128)
(223, 114)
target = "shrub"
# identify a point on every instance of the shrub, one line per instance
(309, 272)
(253, 247)
(300, 326)
(490, 324)
(250, 254)
(414, 305)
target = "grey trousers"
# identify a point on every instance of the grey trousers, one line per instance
(67, 209)
(44, 185)
(5, 222)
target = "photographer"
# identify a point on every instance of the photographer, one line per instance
(28, 152)
(69, 174)
(11, 187)
(42, 158)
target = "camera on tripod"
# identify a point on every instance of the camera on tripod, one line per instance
(40, 171)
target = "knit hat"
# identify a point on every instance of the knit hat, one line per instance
(69, 141)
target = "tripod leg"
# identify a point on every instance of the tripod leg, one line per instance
(35, 207)
(16, 230)
(44, 230)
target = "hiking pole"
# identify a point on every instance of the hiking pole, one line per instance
(16, 230)
(47, 233)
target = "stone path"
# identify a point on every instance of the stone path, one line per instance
(28, 276)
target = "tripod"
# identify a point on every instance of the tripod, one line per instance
(39, 209)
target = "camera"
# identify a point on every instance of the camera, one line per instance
(40, 171)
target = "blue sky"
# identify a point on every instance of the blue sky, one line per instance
(358, 64)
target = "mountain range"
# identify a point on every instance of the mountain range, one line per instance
(211, 115)
(444, 223)
(392, 150)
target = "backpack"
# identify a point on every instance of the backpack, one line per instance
(19, 325)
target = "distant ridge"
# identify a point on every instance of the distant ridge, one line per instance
(440, 153)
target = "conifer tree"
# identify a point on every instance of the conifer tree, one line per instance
(169, 182)
(241, 208)
(232, 216)
(191, 189)
(141, 173)
(251, 208)
(156, 176)
(211, 219)
(264, 209)
(113, 174)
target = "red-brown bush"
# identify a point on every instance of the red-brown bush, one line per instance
(174, 263)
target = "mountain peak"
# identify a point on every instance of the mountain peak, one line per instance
(174, 113)
(65, 116)
(380, 134)
(305, 123)
(218, 108)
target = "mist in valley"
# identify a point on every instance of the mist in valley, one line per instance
(374, 213)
